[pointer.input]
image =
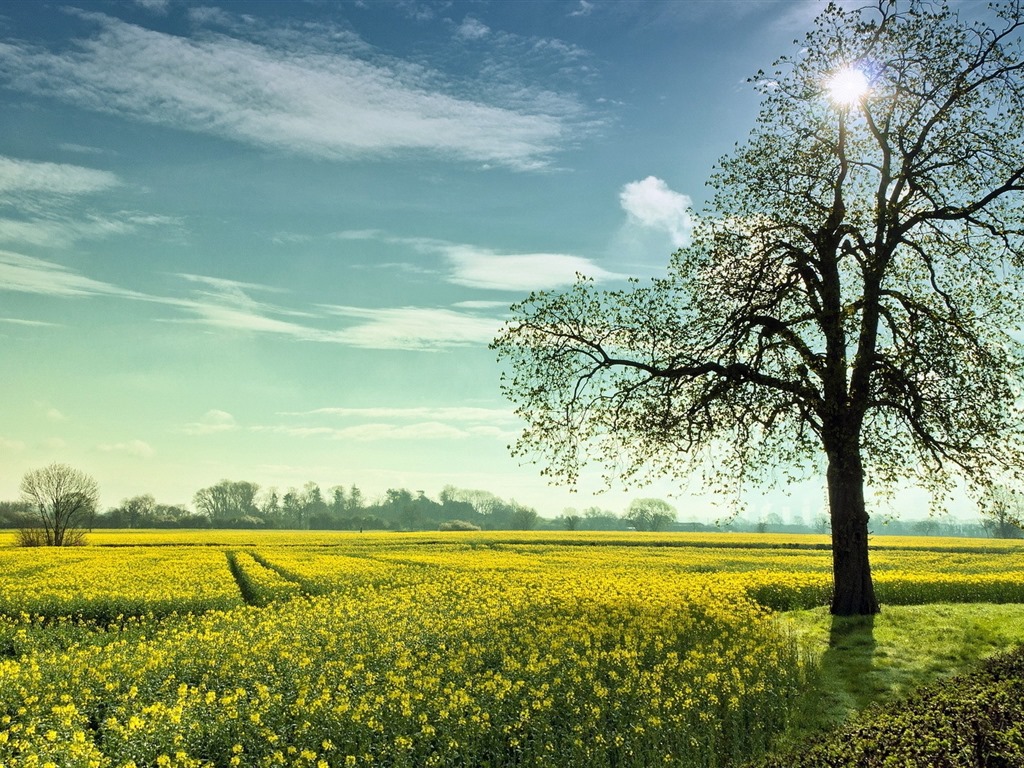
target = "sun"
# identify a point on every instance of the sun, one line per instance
(848, 86)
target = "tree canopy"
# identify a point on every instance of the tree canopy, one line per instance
(847, 304)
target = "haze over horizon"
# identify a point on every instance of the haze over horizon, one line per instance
(271, 241)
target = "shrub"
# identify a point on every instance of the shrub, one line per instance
(39, 537)
(458, 525)
(964, 722)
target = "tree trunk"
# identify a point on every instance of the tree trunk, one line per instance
(851, 570)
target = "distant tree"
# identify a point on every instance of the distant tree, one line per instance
(174, 515)
(270, 507)
(15, 514)
(597, 519)
(313, 502)
(339, 501)
(1002, 512)
(293, 510)
(650, 514)
(571, 519)
(226, 501)
(846, 306)
(63, 502)
(356, 500)
(138, 511)
(773, 520)
(521, 517)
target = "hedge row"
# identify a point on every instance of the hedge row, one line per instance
(968, 721)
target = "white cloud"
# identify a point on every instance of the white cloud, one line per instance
(475, 304)
(138, 448)
(472, 29)
(321, 103)
(52, 178)
(226, 304)
(484, 268)
(11, 445)
(412, 328)
(55, 232)
(480, 268)
(583, 9)
(437, 413)
(213, 421)
(650, 203)
(52, 414)
(33, 323)
(26, 274)
(394, 423)
(376, 431)
(155, 6)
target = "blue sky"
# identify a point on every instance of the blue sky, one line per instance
(271, 240)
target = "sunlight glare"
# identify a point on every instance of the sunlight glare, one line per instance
(848, 86)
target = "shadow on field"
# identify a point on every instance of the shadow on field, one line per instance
(849, 661)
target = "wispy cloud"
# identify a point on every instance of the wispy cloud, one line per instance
(437, 413)
(27, 274)
(427, 430)
(412, 328)
(304, 100)
(11, 445)
(155, 6)
(33, 323)
(583, 9)
(138, 448)
(56, 230)
(18, 176)
(212, 422)
(476, 267)
(413, 423)
(650, 203)
(230, 305)
(481, 268)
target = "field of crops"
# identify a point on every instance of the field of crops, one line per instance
(302, 649)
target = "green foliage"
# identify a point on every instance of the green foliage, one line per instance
(969, 721)
(845, 304)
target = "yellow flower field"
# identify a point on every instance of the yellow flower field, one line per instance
(270, 648)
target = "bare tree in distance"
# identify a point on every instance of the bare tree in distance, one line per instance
(1002, 512)
(844, 307)
(63, 502)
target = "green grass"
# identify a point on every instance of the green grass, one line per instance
(871, 660)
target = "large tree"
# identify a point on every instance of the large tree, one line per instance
(227, 501)
(845, 306)
(63, 501)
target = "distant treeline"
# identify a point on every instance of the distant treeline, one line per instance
(243, 504)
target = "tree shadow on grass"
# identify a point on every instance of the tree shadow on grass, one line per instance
(844, 681)
(848, 664)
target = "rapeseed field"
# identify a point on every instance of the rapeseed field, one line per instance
(425, 650)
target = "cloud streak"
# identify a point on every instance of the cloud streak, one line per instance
(228, 305)
(319, 103)
(475, 267)
(27, 274)
(18, 176)
(409, 423)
